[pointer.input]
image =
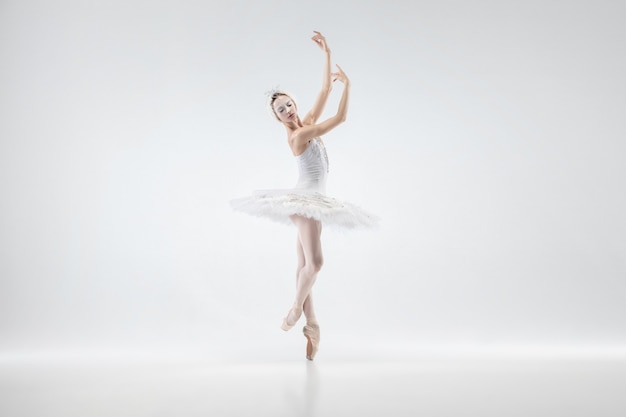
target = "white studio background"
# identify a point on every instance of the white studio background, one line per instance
(487, 135)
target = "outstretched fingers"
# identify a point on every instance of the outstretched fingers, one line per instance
(320, 40)
(340, 75)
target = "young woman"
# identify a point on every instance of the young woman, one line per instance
(306, 206)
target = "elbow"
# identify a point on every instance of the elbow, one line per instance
(339, 118)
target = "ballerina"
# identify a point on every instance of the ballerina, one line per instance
(306, 206)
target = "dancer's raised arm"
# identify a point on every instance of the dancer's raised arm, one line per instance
(320, 102)
(301, 136)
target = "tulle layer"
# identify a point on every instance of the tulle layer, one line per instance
(278, 205)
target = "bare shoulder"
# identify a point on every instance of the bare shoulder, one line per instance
(296, 142)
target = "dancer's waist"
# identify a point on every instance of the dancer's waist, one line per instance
(312, 184)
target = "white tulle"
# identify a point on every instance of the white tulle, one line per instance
(308, 198)
(278, 205)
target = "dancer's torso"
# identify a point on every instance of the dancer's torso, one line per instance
(313, 167)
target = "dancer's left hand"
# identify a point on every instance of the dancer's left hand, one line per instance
(340, 76)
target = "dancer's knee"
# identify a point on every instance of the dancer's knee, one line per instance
(316, 264)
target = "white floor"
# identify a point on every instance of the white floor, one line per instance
(426, 387)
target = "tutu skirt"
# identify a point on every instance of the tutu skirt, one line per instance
(278, 205)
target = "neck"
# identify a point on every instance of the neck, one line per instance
(293, 125)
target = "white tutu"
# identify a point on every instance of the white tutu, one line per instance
(278, 205)
(308, 198)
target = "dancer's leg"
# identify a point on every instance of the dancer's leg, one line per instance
(309, 232)
(307, 308)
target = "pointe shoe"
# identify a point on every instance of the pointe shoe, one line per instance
(294, 312)
(312, 333)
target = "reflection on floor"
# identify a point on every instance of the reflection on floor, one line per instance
(430, 387)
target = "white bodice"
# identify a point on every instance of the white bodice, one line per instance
(308, 198)
(313, 167)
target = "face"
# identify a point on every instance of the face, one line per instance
(285, 109)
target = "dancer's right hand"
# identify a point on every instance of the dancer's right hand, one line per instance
(320, 40)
